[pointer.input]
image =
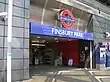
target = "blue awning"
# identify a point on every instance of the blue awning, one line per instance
(36, 28)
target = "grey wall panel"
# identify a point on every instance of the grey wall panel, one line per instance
(108, 22)
(19, 3)
(100, 19)
(19, 22)
(1, 41)
(98, 40)
(26, 73)
(16, 53)
(26, 23)
(17, 42)
(2, 9)
(17, 75)
(1, 30)
(27, 14)
(98, 29)
(3, 1)
(26, 33)
(17, 32)
(26, 53)
(27, 4)
(1, 53)
(5, 42)
(1, 65)
(26, 63)
(1, 76)
(16, 64)
(26, 43)
(17, 11)
(99, 24)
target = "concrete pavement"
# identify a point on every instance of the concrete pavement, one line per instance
(65, 74)
(101, 75)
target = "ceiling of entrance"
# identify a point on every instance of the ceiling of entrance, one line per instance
(50, 39)
(52, 4)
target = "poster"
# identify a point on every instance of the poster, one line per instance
(108, 59)
(102, 55)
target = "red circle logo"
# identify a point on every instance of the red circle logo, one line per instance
(65, 17)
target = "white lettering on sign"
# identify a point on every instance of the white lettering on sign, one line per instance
(62, 32)
(78, 34)
(66, 32)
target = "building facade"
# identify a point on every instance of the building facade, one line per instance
(23, 13)
(20, 40)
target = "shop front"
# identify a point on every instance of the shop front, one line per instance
(59, 29)
(59, 40)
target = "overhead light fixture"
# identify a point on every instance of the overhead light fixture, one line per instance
(36, 41)
(57, 41)
(38, 37)
(69, 40)
(37, 44)
(56, 38)
(55, 9)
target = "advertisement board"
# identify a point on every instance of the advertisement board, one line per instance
(108, 59)
(102, 55)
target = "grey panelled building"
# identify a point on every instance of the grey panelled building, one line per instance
(20, 39)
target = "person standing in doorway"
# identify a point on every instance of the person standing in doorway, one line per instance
(60, 59)
(82, 58)
(87, 57)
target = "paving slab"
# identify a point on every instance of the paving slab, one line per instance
(102, 73)
(73, 79)
(74, 73)
(105, 79)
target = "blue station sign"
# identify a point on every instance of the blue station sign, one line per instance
(37, 28)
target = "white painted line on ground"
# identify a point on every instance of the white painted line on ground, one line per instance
(53, 80)
(85, 68)
(98, 79)
(102, 76)
(91, 72)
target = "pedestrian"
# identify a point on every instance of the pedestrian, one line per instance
(60, 59)
(70, 62)
(82, 58)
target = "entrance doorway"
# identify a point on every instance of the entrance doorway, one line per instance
(44, 50)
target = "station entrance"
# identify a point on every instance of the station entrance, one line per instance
(45, 50)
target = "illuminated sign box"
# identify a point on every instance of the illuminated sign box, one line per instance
(39, 29)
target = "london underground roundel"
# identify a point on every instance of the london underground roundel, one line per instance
(67, 19)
